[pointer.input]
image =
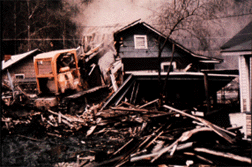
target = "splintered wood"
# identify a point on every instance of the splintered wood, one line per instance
(152, 137)
(130, 135)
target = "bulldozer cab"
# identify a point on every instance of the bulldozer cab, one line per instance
(57, 71)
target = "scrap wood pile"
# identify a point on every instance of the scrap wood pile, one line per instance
(151, 137)
(129, 135)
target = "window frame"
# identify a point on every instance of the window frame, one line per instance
(18, 75)
(145, 42)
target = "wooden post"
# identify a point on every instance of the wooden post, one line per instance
(134, 101)
(132, 93)
(206, 91)
(165, 91)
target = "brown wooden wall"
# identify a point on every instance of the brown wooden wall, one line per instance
(24, 66)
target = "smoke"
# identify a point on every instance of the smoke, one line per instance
(110, 12)
(103, 17)
(95, 14)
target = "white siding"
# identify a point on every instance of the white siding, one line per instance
(250, 83)
(248, 124)
(239, 119)
(244, 84)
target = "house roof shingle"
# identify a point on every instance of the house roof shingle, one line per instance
(51, 53)
(242, 41)
(16, 58)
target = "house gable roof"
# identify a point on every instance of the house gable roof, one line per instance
(241, 41)
(51, 54)
(139, 22)
(16, 58)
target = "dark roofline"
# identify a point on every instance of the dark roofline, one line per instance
(242, 36)
(169, 39)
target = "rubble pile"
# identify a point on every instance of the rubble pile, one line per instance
(169, 137)
(133, 135)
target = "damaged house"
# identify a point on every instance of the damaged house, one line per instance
(192, 78)
(20, 68)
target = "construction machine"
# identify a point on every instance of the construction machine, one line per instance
(59, 81)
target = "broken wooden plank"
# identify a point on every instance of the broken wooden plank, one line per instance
(129, 109)
(122, 162)
(59, 117)
(139, 152)
(68, 118)
(215, 128)
(117, 93)
(50, 123)
(151, 102)
(198, 156)
(123, 146)
(173, 149)
(234, 128)
(52, 134)
(124, 93)
(160, 133)
(91, 130)
(133, 91)
(204, 159)
(148, 137)
(226, 155)
(91, 158)
(113, 80)
(134, 101)
(3, 119)
(129, 104)
(67, 123)
(185, 136)
(147, 156)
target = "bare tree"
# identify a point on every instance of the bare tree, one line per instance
(32, 24)
(187, 16)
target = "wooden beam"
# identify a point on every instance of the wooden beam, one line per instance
(185, 136)
(129, 109)
(116, 93)
(220, 131)
(206, 91)
(123, 146)
(124, 93)
(153, 101)
(133, 91)
(226, 155)
(134, 101)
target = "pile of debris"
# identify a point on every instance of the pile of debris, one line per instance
(152, 137)
(143, 135)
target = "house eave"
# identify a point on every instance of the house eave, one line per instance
(154, 73)
(210, 61)
(236, 53)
